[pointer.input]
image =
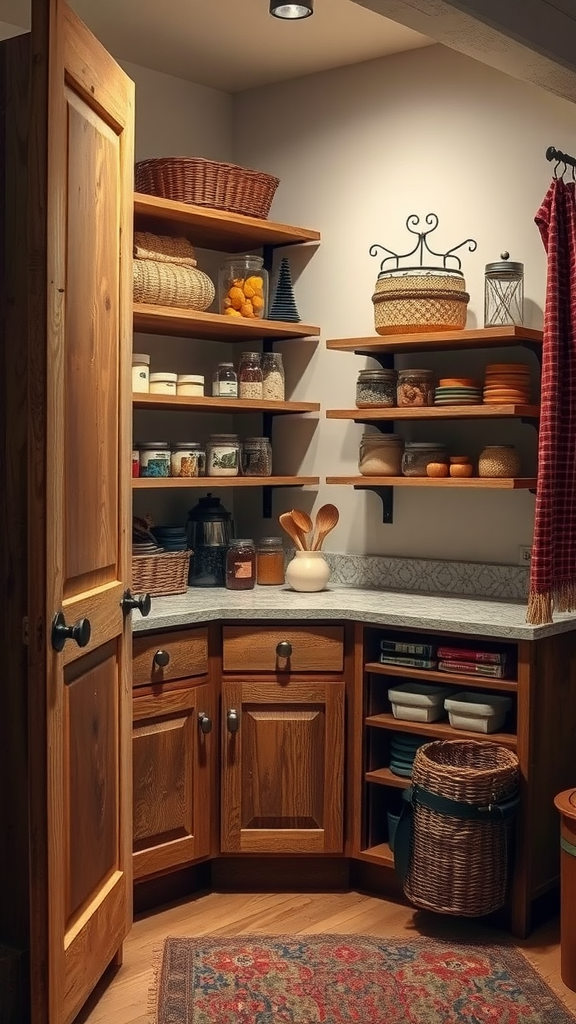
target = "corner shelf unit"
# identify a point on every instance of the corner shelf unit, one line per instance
(222, 232)
(383, 348)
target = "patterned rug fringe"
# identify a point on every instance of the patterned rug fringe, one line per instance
(152, 1008)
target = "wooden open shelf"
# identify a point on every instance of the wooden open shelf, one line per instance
(438, 730)
(385, 777)
(222, 405)
(380, 854)
(214, 229)
(219, 482)
(436, 412)
(190, 323)
(473, 482)
(429, 675)
(438, 341)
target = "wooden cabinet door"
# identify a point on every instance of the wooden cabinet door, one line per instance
(80, 696)
(173, 767)
(282, 770)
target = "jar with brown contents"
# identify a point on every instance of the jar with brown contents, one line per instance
(415, 387)
(270, 562)
(250, 375)
(241, 565)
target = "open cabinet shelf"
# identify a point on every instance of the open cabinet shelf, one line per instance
(438, 730)
(218, 482)
(229, 406)
(191, 323)
(439, 341)
(472, 482)
(436, 412)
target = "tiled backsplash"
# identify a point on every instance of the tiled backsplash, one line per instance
(471, 579)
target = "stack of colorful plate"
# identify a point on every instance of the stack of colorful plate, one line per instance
(458, 391)
(507, 384)
(403, 747)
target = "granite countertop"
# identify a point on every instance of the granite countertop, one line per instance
(450, 613)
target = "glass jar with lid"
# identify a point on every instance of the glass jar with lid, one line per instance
(415, 387)
(376, 388)
(250, 375)
(256, 457)
(154, 458)
(243, 287)
(381, 454)
(270, 562)
(225, 383)
(273, 386)
(504, 293)
(187, 459)
(223, 455)
(241, 565)
(417, 455)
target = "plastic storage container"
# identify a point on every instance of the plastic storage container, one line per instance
(190, 384)
(140, 372)
(477, 712)
(243, 287)
(163, 383)
(418, 702)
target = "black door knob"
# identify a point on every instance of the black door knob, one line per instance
(161, 658)
(205, 722)
(284, 649)
(80, 632)
(232, 720)
(143, 603)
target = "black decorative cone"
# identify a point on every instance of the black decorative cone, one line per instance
(283, 305)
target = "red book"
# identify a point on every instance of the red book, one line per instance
(472, 668)
(458, 654)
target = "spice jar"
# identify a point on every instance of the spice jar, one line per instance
(499, 460)
(223, 455)
(243, 287)
(190, 384)
(415, 387)
(226, 382)
(270, 562)
(504, 293)
(154, 458)
(163, 383)
(376, 388)
(187, 459)
(241, 565)
(250, 375)
(418, 454)
(256, 457)
(273, 386)
(140, 372)
(381, 455)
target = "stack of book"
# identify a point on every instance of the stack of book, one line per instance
(492, 664)
(409, 654)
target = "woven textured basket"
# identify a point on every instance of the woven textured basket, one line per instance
(163, 249)
(460, 866)
(222, 186)
(157, 575)
(420, 303)
(167, 284)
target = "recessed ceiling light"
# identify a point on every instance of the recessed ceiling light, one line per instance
(291, 11)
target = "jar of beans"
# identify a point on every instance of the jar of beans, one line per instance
(376, 388)
(250, 375)
(273, 388)
(415, 387)
(256, 457)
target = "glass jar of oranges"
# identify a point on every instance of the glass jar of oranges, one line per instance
(243, 287)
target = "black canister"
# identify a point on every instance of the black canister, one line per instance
(210, 530)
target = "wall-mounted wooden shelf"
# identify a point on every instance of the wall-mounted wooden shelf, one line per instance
(436, 412)
(190, 323)
(438, 341)
(219, 482)
(437, 730)
(474, 482)
(441, 678)
(229, 406)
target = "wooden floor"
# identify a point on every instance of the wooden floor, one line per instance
(123, 996)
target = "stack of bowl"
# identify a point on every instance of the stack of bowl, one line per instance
(403, 747)
(507, 384)
(458, 391)
(171, 538)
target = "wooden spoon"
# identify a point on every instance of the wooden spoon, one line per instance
(326, 519)
(303, 524)
(289, 526)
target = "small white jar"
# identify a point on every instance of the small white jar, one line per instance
(163, 383)
(140, 372)
(190, 384)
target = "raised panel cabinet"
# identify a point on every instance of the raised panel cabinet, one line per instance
(282, 767)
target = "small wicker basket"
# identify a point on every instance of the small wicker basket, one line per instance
(158, 575)
(434, 302)
(459, 865)
(222, 186)
(168, 284)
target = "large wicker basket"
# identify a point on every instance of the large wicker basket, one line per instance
(420, 303)
(222, 186)
(167, 284)
(459, 861)
(157, 575)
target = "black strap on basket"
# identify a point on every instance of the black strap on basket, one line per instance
(501, 811)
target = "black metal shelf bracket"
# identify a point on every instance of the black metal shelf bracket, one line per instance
(386, 495)
(267, 501)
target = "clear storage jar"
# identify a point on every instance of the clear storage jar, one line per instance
(499, 460)
(270, 562)
(256, 457)
(250, 375)
(163, 383)
(241, 565)
(243, 287)
(415, 387)
(223, 455)
(381, 455)
(273, 384)
(187, 459)
(225, 383)
(154, 458)
(190, 384)
(418, 454)
(140, 372)
(376, 388)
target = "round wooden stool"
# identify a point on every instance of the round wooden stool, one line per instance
(565, 802)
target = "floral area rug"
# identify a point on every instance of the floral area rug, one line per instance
(340, 979)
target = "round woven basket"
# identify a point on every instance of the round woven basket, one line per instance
(222, 186)
(168, 284)
(460, 866)
(420, 303)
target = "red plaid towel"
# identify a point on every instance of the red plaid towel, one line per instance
(553, 562)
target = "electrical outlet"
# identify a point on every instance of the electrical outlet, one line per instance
(524, 554)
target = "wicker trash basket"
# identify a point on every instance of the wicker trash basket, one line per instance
(463, 800)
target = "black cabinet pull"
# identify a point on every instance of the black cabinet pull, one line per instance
(284, 649)
(205, 722)
(161, 659)
(232, 720)
(80, 632)
(143, 603)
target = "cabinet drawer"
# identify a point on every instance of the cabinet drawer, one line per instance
(311, 649)
(185, 654)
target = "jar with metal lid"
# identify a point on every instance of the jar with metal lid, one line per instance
(154, 458)
(504, 293)
(256, 457)
(273, 385)
(415, 387)
(226, 383)
(223, 455)
(241, 565)
(190, 384)
(499, 460)
(381, 455)
(187, 459)
(270, 562)
(243, 287)
(140, 372)
(163, 383)
(418, 454)
(250, 375)
(376, 388)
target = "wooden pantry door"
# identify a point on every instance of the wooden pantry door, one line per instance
(80, 233)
